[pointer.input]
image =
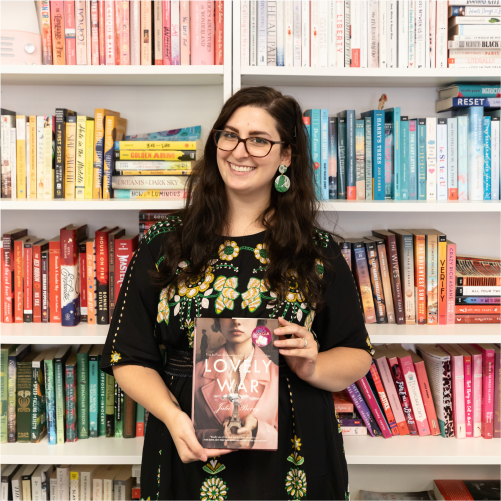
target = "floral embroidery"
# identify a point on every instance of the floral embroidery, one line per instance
(228, 250)
(213, 487)
(228, 294)
(255, 292)
(296, 443)
(196, 285)
(261, 253)
(321, 238)
(296, 483)
(115, 356)
(319, 267)
(163, 306)
(309, 320)
(371, 348)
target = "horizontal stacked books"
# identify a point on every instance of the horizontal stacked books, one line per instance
(162, 32)
(348, 417)
(477, 25)
(412, 277)
(147, 218)
(444, 390)
(357, 34)
(83, 482)
(386, 156)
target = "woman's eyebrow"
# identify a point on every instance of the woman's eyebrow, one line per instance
(252, 132)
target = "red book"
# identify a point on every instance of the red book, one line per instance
(497, 391)
(112, 237)
(481, 309)
(28, 279)
(342, 402)
(390, 418)
(468, 389)
(38, 248)
(166, 32)
(18, 279)
(118, 30)
(478, 319)
(102, 35)
(1, 288)
(202, 32)
(82, 268)
(366, 391)
(55, 280)
(70, 32)
(124, 250)
(45, 286)
(58, 37)
(219, 38)
(94, 13)
(488, 389)
(102, 275)
(465, 490)
(91, 275)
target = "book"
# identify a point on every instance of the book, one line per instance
(487, 351)
(376, 281)
(378, 158)
(102, 274)
(82, 374)
(38, 404)
(115, 128)
(24, 398)
(376, 385)
(466, 489)
(55, 279)
(361, 272)
(60, 359)
(71, 398)
(9, 401)
(363, 410)
(94, 396)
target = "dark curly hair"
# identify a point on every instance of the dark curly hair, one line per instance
(289, 219)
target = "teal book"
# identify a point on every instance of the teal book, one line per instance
(38, 405)
(119, 411)
(487, 158)
(6, 350)
(24, 397)
(369, 176)
(388, 162)
(83, 390)
(102, 404)
(324, 153)
(351, 173)
(315, 137)
(59, 361)
(412, 159)
(392, 116)
(404, 168)
(139, 421)
(341, 148)
(378, 148)
(360, 159)
(50, 396)
(14, 357)
(71, 397)
(110, 406)
(463, 158)
(94, 361)
(421, 159)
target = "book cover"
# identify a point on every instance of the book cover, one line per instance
(235, 383)
(487, 351)
(94, 394)
(58, 32)
(359, 258)
(363, 410)
(376, 283)
(62, 115)
(377, 152)
(70, 157)
(71, 396)
(360, 159)
(115, 128)
(24, 397)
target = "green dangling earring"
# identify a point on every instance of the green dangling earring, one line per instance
(282, 182)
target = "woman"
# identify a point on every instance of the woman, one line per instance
(245, 245)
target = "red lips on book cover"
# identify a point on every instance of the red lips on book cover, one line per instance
(235, 383)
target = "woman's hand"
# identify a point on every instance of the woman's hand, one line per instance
(302, 361)
(249, 424)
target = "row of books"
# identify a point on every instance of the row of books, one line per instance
(441, 390)
(162, 32)
(62, 482)
(413, 276)
(36, 271)
(364, 34)
(386, 156)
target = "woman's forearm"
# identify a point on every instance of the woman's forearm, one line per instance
(338, 368)
(146, 387)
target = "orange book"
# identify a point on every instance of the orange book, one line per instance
(442, 279)
(58, 39)
(55, 280)
(420, 275)
(342, 402)
(19, 278)
(91, 277)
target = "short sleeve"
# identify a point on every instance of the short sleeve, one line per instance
(340, 322)
(131, 337)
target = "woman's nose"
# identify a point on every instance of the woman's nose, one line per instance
(240, 151)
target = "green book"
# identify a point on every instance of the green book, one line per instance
(94, 361)
(139, 420)
(24, 397)
(59, 384)
(71, 398)
(38, 422)
(110, 406)
(16, 356)
(50, 395)
(102, 403)
(119, 411)
(6, 349)
(83, 390)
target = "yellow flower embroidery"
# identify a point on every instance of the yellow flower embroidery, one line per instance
(163, 306)
(199, 284)
(252, 296)
(228, 294)
(261, 253)
(228, 250)
(115, 356)
(296, 443)
(309, 320)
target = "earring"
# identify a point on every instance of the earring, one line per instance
(282, 182)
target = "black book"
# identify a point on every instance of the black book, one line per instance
(61, 116)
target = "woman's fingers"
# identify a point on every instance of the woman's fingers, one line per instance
(217, 452)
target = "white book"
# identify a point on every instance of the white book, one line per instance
(431, 158)
(244, 33)
(135, 32)
(364, 33)
(467, 53)
(322, 34)
(48, 171)
(289, 32)
(253, 33)
(87, 475)
(373, 21)
(332, 33)
(392, 33)
(355, 25)
(305, 33)
(28, 160)
(484, 37)
(347, 34)
(63, 483)
(53, 488)
(421, 42)
(17, 486)
(489, 3)
(5, 150)
(97, 489)
(340, 33)
(463, 158)
(441, 47)
(136, 470)
(262, 27)
(74, 483)
(474, 45)
(470, 20)
(13, 161)
(412, 33)
(89, 32)
(431, 14)
(280, 33)
(297, 32)
(175, 39)
(403, 33)
(442, 159)
(271, 33)
(482, 11)
(452, 158)
(383, 34)
(495, 176)
(315, 46)
(21, 136)
(470, 66)
(39, 157)
(108, 489)
(475, 153)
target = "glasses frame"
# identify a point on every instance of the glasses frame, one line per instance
(240, 140)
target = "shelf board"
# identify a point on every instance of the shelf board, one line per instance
(111, 75)
(327, 205)
(361, 77)
(30, 333)
(359, 450)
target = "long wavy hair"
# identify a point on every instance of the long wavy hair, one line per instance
(289, 219)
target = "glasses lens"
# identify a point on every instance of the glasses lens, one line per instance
(226, 140)
(258, 147)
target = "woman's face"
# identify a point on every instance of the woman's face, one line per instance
(241, 173)
(237, 330)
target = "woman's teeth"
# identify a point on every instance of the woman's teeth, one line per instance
(241, 168)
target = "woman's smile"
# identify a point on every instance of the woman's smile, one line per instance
(241, 169)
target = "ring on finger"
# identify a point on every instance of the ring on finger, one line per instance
(305, 343)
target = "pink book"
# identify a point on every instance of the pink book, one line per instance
(157, 30)
(166, 31)
(94, 17)
(379, 392)
(184, 20)
(135, 32)
(407, 368)
(70, 32)
(88, 48)
(457, 363)
(488, 387)
(109, 31)
(219, 32)
(102, 33)
(366, 391)
(174, 32)
(125, 34)
(389, 386)
(468, 390)
(202, 47)
(450, 300)
(497, 390)
(477, 382)
(424, 386)
(81, 31)
(118, 29)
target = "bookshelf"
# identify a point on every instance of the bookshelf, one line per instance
(158, 98)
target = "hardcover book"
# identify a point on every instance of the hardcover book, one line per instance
(235, 383)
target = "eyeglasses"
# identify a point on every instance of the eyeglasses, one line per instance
(255, 146)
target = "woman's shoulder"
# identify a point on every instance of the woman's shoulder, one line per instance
(155, 236)
(327, 244)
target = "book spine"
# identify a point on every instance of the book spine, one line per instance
(110, 28)
(377, 169)
(477, 375)
(363, 410)
(88, 159)
(82, 376)
(166, 34)
(46, 32)
(364, 284)
(427, 397)
(488, 393)
(93, 395)
(175, 34)
(322, 33)
(37, 284)
(185, 32)
(377, 289)
(431, 29)
(58, 38)
(157, 31)
(139, 420)
(60, 155)
(28, 284)
(80, 157)
(477, 319)
(23, 401)
(17, 301)
(403, 34)
(369, 397)
(391, 248)
(94, 30)
(124, 47)
(9, 398)
(402, 171)
(110, 406)
(340, 33)
(442, 167)
(49, 156)
(442, 280)
(305, 32)
(386, 281)
(90, 275)
(82, 272)
(421, 41)
(70, 292)
(458, 401)
(388, 161)
(135, 32)
(102, 270)
(39, 162)
(441, 34)
(475, 153)
(451, 280)
(102, 404)
(341, 184)
(369, 176)
(288, 36)
(431, 158)
(392, 32)
(145, 40)
(21, 155)
(351, 155)
(60, 402)
(8, 279)
(390, 418)
(253, 32)
(411, 21)
(497, 395)
(31, 152)
(111, 274)
(412, 159)
(360, 159)
(462, 158)
(324, 153)
(452, 158)
(70, 33)
(45, 284)
(34, 431)
(420, 277)
(347, 34)
(271, 33)
(487, 159)
(71, 404)
(55, 281)
(81, 31)
(468, 393)
(495, 163)
(355, 28)
(70, 157)
(50, 401)
(432, 278)
(315, 38)
(13, 160)
(333, 160)
(373, 30)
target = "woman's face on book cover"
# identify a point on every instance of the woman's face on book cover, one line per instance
(242, 173)
(237, 330)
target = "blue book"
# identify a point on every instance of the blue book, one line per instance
(341, 142)
(94, 362)
(388, 162)
(333, 158)
(404, 170)
(462, 158)
(476, 153)
(185, 134)
(421, 159)
(378, 152)
(315, 137)
(495, 174)
(369, 176)
(351, 177)
(412, 159)
(469, 90)
(465, 102)
(392, 116)
(487, 158)
(324, 153)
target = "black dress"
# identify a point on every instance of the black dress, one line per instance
(310, 461)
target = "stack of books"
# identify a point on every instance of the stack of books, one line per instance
(147, 218)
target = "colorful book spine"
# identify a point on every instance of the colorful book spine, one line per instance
(71, 399)
(477, 390)
(59, 399)
(110, 406)
(386, 280)
(24, 400)
(46, 32)
(21, 155)
(341, 178)
(420, 277)
(442, 166)
(363, 410)
(476, 153)
(157, 32)
(376, 282)
(175, 36)
(404, 158)
(80, 159)
(392, 116)
(488, 389)
(135, 32)
(115, 128)
(452, 158)
(102, 271)
(364, 282)
(40, 128)
(81, 31)
(315, 145)
(497, 392)
(333, 160)
(55, 280)
(94, 13)
(351, 177)
(70, 157)
(166, 35)
(185, 33)
(495, 158)
(70, 33)
(432, 278)
(33, 157)
(45, 286)
(109, 32)
(388, 161)
(462, 158)
(112, 242)
(487, 158)
(324, 153)
(431, 158)
(58, 33)
(139, 420)
(390, 418)
(91, 293)
(94, 361)
(82, 374)
(102, 404)
(413, 161)
(369, 397)
(49, 157)
(28, 282)
(442, 279)
(89, 158)
(4, 389)
(451, 282)
(377, 153)
(468, 395)
(50, 400)
(10, 356)
(360, 159)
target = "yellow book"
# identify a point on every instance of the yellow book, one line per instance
(21, 155)
(40, 156)
(70, 157)
(115, 130)
(89, 157)
(33, 156)
(155, 172)
(161, 145)
(168, 155)
(48, 158)
(80, 158)
(99, 121)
